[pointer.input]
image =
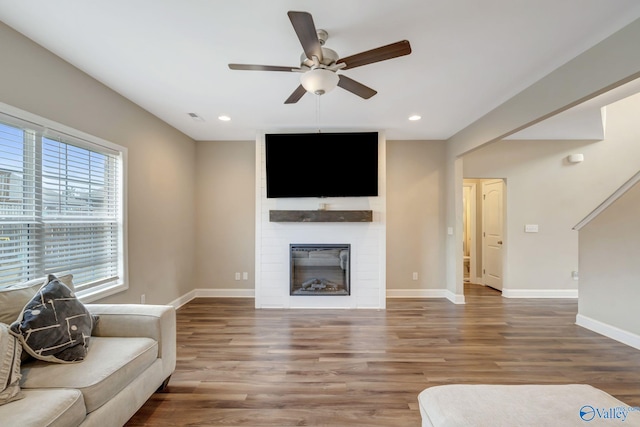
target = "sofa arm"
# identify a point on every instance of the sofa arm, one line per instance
(139, 320)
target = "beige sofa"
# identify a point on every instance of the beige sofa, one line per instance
(132, 353)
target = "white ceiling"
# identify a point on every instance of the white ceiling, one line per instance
(170, 57)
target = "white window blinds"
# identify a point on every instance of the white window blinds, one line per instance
(60, 208)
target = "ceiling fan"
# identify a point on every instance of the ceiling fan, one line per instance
(319, 65)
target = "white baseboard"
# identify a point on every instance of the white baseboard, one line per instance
(212, 293)
(416, 293)
(425, 293)
(455, 298)
(609, 331)
(177, 303)
(539, 293)
(250, 293)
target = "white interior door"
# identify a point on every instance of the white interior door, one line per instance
(493, 232)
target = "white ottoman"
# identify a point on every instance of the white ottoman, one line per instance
(523, 405)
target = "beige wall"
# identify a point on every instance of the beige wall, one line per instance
(415, 214)
(609, 254)
(543, 189)
(176, 186)
(601, 68)
(162, 188)
(225, 191)
(225, 219)
(161, 179)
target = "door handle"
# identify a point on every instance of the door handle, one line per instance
(499, 242)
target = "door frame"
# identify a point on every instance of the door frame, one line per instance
(477, 257)
(472, 220)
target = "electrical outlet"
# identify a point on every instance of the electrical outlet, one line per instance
(237, 275)
(245, 275)
(143, 299)
(574, 275)
(415, 275)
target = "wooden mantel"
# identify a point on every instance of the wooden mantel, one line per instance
(321, 216)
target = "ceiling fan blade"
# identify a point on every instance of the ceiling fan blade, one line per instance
(252, 67)
(306, 30)
(382, 53)
(296, 95)
(356, 88)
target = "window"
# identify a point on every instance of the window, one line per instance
(61, 207)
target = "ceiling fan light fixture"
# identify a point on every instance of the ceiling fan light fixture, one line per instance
(319, 81)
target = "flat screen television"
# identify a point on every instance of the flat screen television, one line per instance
(322, 164)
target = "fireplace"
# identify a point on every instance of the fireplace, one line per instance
(365, 280)
(320, 269)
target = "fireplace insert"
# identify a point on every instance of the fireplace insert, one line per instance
(320, 269)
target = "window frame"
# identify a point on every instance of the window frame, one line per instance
(47, 128)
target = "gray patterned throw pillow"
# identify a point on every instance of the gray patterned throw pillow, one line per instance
(54, 326)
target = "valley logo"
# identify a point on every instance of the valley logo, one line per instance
(619, 413)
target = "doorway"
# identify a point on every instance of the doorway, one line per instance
(484, 213)
(469, 232)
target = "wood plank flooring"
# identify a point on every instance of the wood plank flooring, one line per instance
(238, 366)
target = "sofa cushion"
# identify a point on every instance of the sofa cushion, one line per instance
(10, 350)
(109, 367)
(13, 298)
(51, 408)
(54, 325)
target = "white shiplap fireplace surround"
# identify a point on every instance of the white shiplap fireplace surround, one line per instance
(367, 240)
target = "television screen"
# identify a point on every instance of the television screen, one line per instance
(322, 164)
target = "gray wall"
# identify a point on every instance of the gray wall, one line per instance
(609, 254)
(225, 219)
(415, 214)
(225, 193)
(543, 189)
(609, 64)
(160, 190)
(169, 190)
(191, 205)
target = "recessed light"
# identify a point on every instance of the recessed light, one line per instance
(414, 117)
(224, 118)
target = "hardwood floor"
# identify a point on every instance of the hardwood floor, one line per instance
(238, 366)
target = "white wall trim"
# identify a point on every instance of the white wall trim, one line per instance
(212, 293)
(225, 293)
(620, 335)
(425, 293)
(455, 298)
(250, 293)
(539, 293)
(609, 201)
(416, 293)
(179, 302)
